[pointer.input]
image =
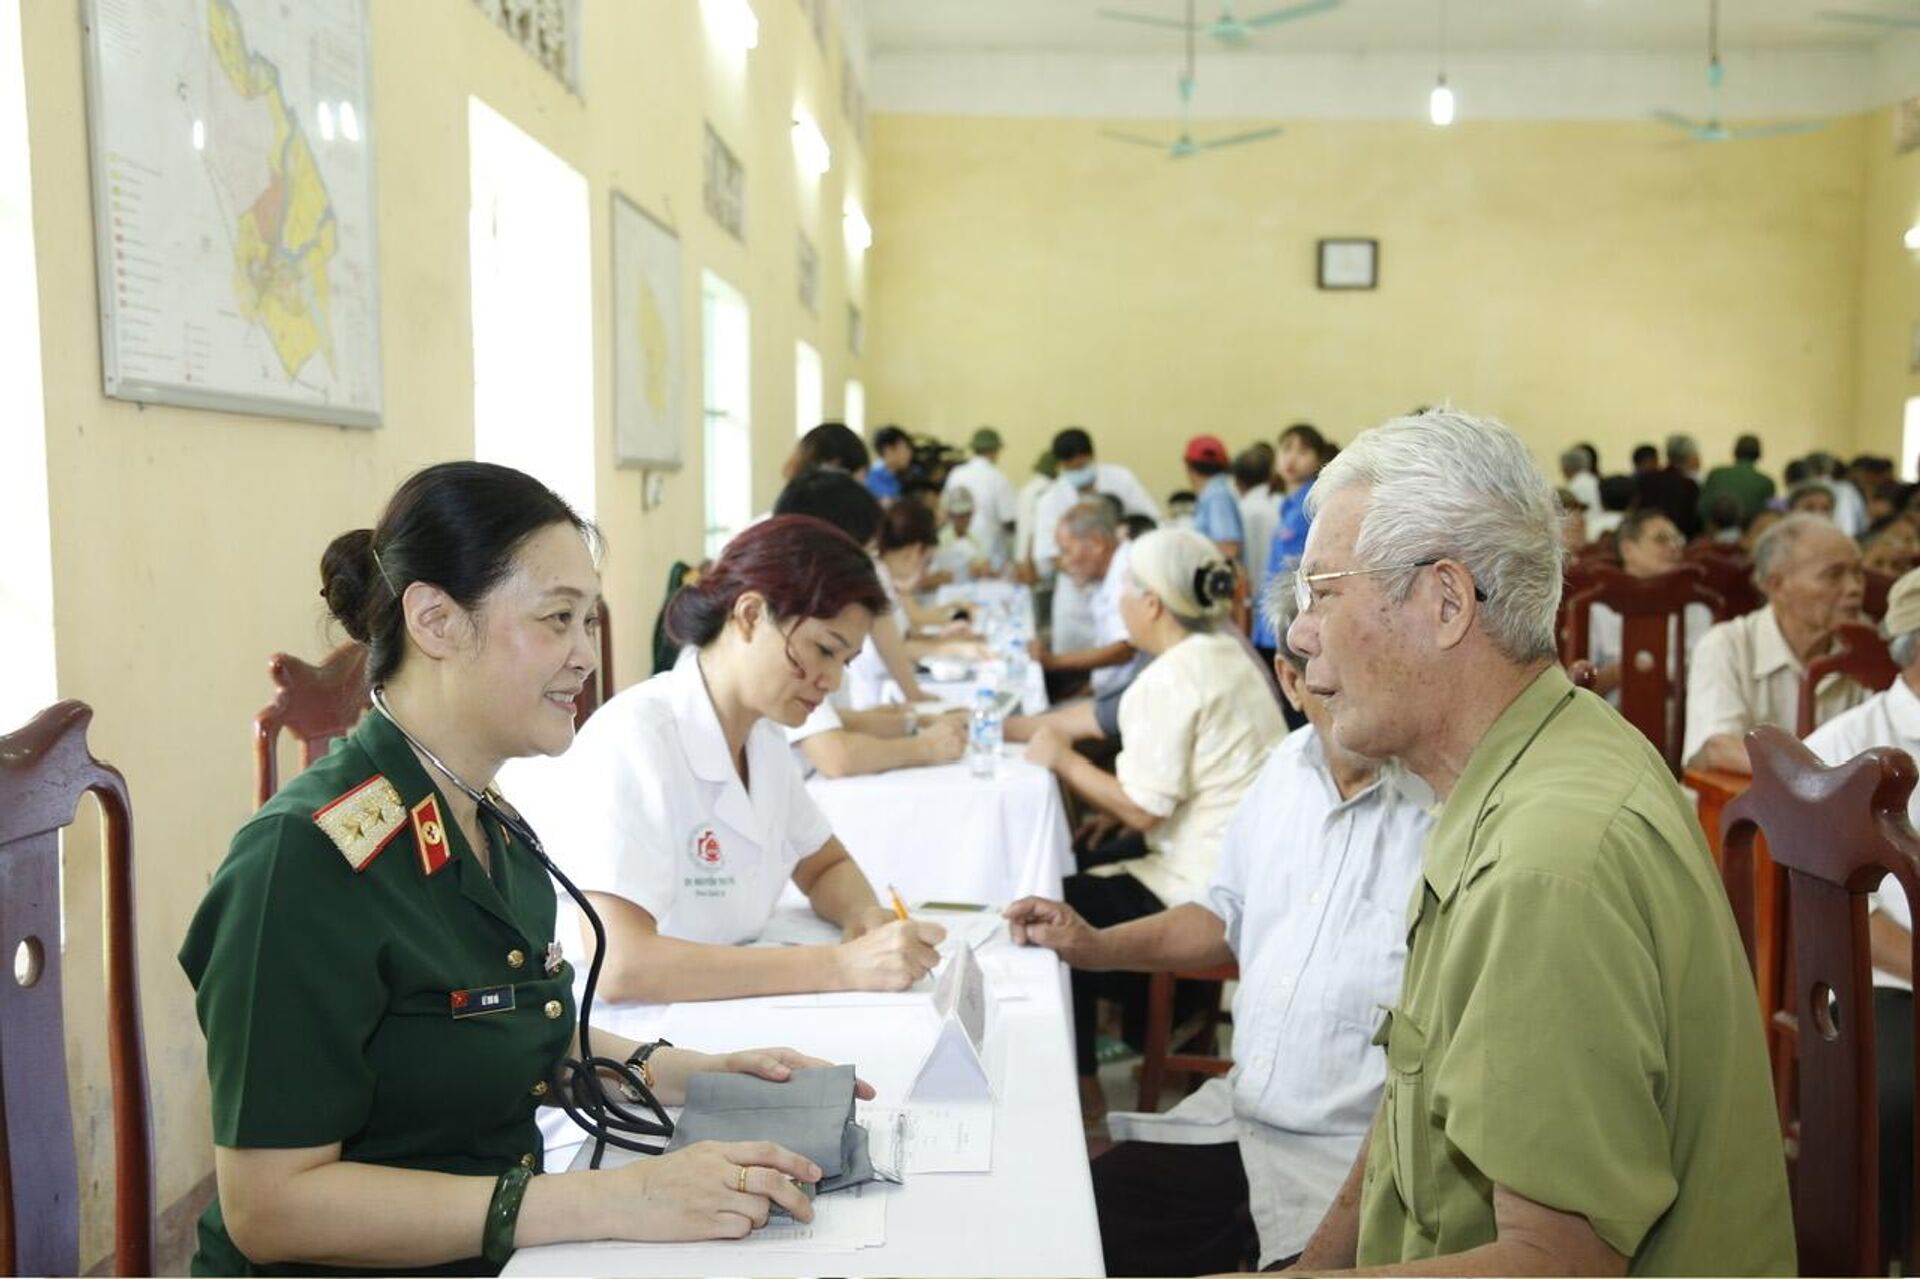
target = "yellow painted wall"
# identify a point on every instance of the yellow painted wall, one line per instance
(186, 544)
(1889, 290)
(1596, 281)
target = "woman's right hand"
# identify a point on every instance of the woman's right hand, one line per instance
(890, 958)
(696, 1193)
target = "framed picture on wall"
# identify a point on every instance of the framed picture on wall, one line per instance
(649, 383)
(1349, 264)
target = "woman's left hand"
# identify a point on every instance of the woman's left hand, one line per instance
(672, 1067)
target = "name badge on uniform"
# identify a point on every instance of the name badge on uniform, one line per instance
(554, 958)
(480, 1001)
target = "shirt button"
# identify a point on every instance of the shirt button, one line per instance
(1316, 899)
(515, 958)
(539, 1089)
(553, 1009)
(1286, 981)
(526, 1161)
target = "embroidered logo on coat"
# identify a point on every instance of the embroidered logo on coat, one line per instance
(705, 849)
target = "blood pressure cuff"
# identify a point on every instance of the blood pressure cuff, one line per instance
(810, 1114)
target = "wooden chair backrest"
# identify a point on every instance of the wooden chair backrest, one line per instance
(314, 703)
(1860, 655)
(1653, 651)
(1873, 602)
(1833, 831)
(600, 684)
(45, 769)
(1730, 576)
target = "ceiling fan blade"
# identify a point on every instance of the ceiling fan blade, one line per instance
(1145, 19)
(1776, 130)
(1275, 17)
(1238, 139)
(1675, 120)
(1158, 144)
(1897, 21)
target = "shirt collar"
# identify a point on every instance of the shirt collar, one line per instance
(393, 757)
(693, 711)
(1903, 708)
(1770, 652)
(1473, 794)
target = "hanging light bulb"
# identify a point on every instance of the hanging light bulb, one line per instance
(1440, 102)
(1911, 239)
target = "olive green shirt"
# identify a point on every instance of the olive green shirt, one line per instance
(328, 994)
(1578, 1022)
(1742, 482)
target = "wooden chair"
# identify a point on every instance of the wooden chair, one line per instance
(314, 703)
(1873, 603)
(1730, 576)
(1833, 831)
(45, 768)
(1859, 655)
(1158, 1057)
(599, 684)
(1653, 654)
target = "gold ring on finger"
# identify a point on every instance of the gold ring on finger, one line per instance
(740, 1182)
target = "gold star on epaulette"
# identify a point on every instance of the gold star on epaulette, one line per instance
(363, 821)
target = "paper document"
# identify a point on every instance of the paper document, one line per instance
(957, 1138)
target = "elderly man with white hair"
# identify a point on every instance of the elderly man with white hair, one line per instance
(1747, 671)
(1892, 719)
(1576, 1080)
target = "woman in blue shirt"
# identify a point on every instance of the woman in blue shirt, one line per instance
(1301, 455)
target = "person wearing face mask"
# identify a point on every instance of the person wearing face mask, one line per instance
(373, 963)
(681, 812)
(1081, 477)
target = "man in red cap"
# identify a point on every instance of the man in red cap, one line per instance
(1216, 512)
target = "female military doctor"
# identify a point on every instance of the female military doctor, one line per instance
(373, 962)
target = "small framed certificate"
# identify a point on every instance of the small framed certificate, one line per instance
(1349, 264)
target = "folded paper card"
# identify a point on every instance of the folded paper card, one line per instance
(954, 1069)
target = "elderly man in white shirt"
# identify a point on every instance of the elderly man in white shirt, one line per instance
(1093, 557)
(1081, 477)
(1891, 718)
(1309, 896)
(1747, 672)
(995, 508)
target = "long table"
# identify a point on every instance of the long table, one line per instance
(1031, 1215)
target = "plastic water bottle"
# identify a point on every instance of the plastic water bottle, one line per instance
(984, 734)
(1016, 650)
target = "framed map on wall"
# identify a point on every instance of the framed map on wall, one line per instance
(232, 149)
(649, 382)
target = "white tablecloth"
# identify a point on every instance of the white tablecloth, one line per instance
(942, 833)
(1032, 1215)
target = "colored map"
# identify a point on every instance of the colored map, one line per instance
(284, 232)
(234, 209)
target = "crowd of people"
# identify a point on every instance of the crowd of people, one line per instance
(1311, 716)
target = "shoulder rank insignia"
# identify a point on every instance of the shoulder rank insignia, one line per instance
(430, 835)
(363, 821)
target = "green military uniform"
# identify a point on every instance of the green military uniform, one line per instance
(1578, 1022)
(1742, 482)
(362, 979)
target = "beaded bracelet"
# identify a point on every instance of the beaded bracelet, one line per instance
(503, 1214)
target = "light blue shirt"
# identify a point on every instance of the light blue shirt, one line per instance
(882, 483)
(1217, 512)
(1289, 544)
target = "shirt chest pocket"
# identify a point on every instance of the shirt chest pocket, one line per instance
(1368, 962)
(1409, 1124)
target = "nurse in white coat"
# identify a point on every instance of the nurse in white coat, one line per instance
(679, 809)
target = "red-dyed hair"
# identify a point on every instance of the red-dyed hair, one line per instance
(802, 566)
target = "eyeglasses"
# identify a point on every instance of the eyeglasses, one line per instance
(1303, 583)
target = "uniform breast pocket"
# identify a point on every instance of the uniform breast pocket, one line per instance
(1408, 1128)
(1368, 962)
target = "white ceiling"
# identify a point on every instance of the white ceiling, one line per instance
(952, 26)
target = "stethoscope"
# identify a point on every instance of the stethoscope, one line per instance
(606, 1121)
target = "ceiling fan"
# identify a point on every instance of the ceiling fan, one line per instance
(1909, 21)
(1186, 144)
(1228, 28)
(1713, 129)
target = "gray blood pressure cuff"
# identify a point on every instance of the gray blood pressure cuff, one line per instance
(810, 1114)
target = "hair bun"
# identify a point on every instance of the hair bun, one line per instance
(1213, 584)
(347, 575)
